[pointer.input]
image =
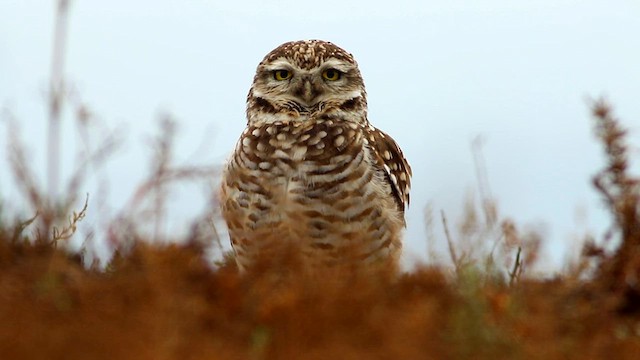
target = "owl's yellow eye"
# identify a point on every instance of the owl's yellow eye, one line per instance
(281, 75)
(331, 74)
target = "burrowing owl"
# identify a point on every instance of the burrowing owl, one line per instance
(309, 172)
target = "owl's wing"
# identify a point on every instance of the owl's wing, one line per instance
(389, 158)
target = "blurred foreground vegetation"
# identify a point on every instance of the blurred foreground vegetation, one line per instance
(169, 302)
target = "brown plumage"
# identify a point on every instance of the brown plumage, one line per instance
(310, 177)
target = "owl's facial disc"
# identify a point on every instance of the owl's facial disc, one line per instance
(332, 81)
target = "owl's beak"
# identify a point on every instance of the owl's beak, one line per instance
(308, 93)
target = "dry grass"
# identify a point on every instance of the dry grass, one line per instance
(168, 302)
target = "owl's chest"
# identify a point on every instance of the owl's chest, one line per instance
(299, 151)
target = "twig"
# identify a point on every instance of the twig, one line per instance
(431, 238)
(19, 228)
(56, 96)
(486, 196)
(517, 268)
(452, 250)
(68, 231)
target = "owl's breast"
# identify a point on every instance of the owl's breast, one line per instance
(291, 166)
(300, 149)
(314, 184)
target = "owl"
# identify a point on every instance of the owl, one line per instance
(310, 177)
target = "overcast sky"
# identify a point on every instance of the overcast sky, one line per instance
(438, 74)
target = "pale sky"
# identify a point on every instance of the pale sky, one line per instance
(438, 74)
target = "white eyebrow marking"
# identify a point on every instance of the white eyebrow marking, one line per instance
(278, 63)
(338, 65)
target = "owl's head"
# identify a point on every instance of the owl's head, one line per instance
(302, 77)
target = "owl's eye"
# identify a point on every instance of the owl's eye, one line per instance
(282, 75)
(331, 74)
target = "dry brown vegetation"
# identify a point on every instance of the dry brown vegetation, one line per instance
(169, 302)
(166, 302)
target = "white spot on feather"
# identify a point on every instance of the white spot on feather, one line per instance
(299, 152)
